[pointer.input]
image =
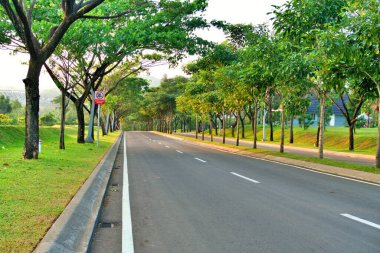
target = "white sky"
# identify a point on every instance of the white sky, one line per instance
(12, 71)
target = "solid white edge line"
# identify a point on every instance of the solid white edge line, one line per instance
(127, 236)
(246, 178)
(361, 220)
(203, 161)
(179, 151)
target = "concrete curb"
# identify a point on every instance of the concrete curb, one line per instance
(332, 170)
(72, 231)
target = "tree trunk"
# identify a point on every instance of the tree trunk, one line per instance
(63, 118)
(196, 126)
(203, 130)
(242, 128)
(210, 122)
(351, 129)
(321, 125)
(224, 127)
(282, 131)
(80, 117)
(254, 127)
(317, 139)
(90, 133)
(32, 107)
(378, 136)
(238, 129)
(291, 136)
(270, 119)
(216, 125)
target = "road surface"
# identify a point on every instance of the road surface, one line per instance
(186, 198)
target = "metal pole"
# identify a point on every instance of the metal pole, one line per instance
(100, 107)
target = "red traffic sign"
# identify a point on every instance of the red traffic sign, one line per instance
(100, 97)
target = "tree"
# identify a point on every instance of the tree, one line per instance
(39, 37)
(299, 21)
(362, 23)
(5, 105)
(125, 47)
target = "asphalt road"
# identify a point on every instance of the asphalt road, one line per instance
(185, 198)
(339, 156)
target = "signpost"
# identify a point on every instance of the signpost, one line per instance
(100, 99)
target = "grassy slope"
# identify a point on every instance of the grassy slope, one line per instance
(336, 138)
(34, 193)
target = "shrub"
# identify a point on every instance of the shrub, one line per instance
(5, 119)
(48, 119)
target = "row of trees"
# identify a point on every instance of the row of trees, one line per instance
(328, 49)
(80, 43)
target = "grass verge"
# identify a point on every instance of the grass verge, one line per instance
(33, 193)
(336, 138)
(325, 161)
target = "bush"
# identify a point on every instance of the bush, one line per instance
(5, 119)
(48, 119)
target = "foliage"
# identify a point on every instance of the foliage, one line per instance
(48, 119)
(5, 105)
(5, 119)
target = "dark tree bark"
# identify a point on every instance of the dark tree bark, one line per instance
(321, 124)
(378, 136)
(282, 140)
(32, 108)
(317, 137)
(270, 119)
(238, 129)
(254, 125)
(242, 126)
(210, 123)
(63, 119)
(81, 123)
(203, 130)
(291, 137)
(224, 127)
(196, 126)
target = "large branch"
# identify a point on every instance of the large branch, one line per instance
(123, 78)
(30, 41)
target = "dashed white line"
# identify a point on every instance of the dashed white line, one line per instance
(361, 220)
(246, 178)
(179, 151)
(167, 147)
(203, 161)
(160, 143)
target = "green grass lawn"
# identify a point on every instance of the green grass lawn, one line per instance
(336, 138)
(33, 193)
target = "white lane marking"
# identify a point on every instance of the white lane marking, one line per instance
(167, 147)
(203, 161)
(160, 143)
(179, 151)
(127, 243)
(361, 220)
(294, 166)
(246, 178)
(302, 168)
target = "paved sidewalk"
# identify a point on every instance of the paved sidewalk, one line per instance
(313, 152)
(348, 173)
